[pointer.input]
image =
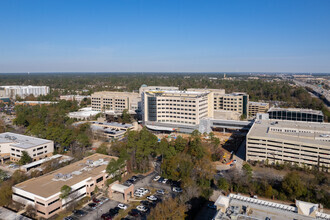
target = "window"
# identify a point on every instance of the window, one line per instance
(40, 203)
(53, 202)
(99, 179)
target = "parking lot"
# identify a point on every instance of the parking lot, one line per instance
(142, 182)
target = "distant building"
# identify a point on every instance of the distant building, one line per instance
(35, 103)
(257, 107)
(43, 192)
(296, 114)
(243, 207)
(77, 98)
(115, 102)
(23, 91)
(12, 145)
(278, 141)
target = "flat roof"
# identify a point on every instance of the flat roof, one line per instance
(302, 110)
(47, 185)
(310, 132)
(259, 103)
(112, 124)
(22, 141)
(265, 208)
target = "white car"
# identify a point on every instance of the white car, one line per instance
(160, 191)
(152, 198)
(141, 208)
(177, 189)
(143, 190)
(137, 194)
(165, 181)
(122, 206)
(156, 178)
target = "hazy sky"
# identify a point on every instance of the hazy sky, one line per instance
(165, 35)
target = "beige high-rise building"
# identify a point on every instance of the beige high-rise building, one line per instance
(236, 102)
(257, 107)
(176, 106)
(115, 102)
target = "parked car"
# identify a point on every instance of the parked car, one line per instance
(96, 200)
(113, 212)
(160, 180)
(234, 161)
(92, 205)
(177, 189)
(141, 208)
(164, 181)
(152, 198)
(156, 178)
(106, 216)
(144, 191)
(122, 206)
(68, 218)
(138, 194)
(160, 191)
(134, 178)
(79, 212)
(134, 213)
(211, 206)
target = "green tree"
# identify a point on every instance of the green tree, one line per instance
(25, 158)
(223, 184)
(126, 117)
(170, 209)
(102, 149)
(293, 186)
(65, 191)
(247, 169)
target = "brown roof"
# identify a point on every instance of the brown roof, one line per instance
(47, 185)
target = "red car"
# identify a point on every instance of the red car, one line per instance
(96, 200)
(106, 216)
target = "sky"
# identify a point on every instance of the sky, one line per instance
(165, 36)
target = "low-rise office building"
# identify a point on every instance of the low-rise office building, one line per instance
(43, 192)
(12, 145)
(296, 114)
(23, 91)
(243, 207)
(111, 130)
(257, 107)
(115, 102)
(77, 98)
(303, 143)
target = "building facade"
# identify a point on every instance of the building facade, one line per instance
(176, 106)
(301, 143)
(23, 91)
(115, 102)
(12, 145)
(43, 192)
(257, 107)
(295, 114)
(77, 98)
(236, 102)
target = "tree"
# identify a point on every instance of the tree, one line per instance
(126, 117)
(25, 158)
(103, 149)
(223, 184)
(65, 191)
(247, 169)
(170, 209)
(293, 186)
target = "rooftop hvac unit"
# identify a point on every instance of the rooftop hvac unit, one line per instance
(58, 176)
(67, 176)
(89, 161)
